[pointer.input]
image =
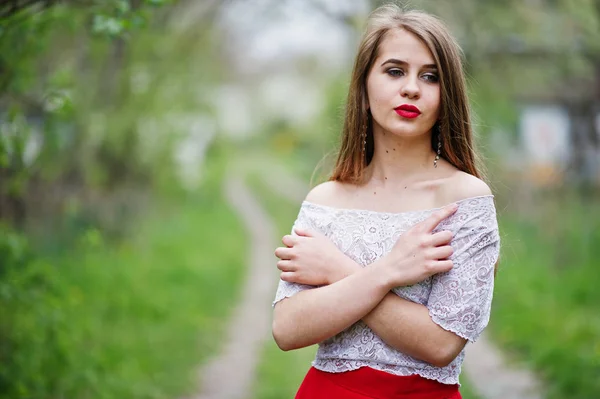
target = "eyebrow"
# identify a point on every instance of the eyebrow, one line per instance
(400, 62)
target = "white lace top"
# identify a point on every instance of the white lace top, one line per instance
(459, 300)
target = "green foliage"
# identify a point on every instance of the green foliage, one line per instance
(127, 320)
(78, 88)
(13, 138)
(546, 296)
(90, 101)
(116, 17)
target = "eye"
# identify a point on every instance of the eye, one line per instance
(431, 77)
(395, 72)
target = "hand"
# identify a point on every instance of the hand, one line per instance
(310, 258)
(419, 253)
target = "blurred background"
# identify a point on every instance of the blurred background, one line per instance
(121, 120)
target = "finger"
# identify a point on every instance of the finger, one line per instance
(288, 277)
(432, 221)
(288, 240)
(284, 253)
(303, 232)
(286, 266)
(442, 253)
(444, 266)
(441, 238)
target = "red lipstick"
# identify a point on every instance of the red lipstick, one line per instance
(407, 111)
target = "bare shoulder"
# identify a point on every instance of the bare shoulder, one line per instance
(328, 193)
(461, 185)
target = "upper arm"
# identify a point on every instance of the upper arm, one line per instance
(460, 299)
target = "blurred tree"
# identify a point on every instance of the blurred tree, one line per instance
(73, 92)
(94, 96)
(11, 7)
(537, 51)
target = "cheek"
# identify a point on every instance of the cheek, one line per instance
(433, 100)
(437, 96)
(371, 93)
(379, 92)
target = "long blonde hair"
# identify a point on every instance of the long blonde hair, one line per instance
(454, 118)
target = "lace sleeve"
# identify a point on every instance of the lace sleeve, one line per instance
(285, 289)
(460, 300)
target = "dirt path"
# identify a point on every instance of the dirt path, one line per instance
(493, 378)
(231, 374)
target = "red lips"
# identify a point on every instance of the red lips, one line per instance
(407, 111)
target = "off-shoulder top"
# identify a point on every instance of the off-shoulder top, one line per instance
(458, 300)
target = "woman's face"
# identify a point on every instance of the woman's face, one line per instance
(403, 86)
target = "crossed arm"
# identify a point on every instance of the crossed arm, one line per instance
(351, 293)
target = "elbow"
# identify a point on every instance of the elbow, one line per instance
(281, 337)
(281, 342)
(287, 332)
(284, 331)
(443, 355)
(440, 360)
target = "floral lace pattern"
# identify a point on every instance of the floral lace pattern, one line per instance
(458, 301)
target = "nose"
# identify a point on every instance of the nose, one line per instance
(410, 88)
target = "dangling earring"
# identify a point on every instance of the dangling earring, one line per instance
(364, 137)
(439, 146)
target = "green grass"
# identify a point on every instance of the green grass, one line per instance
(466, 389)
(126, 320)
(281, 373)
(546, 306)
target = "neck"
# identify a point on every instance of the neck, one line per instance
(397, 160)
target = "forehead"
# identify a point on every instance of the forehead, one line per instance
(406, 46)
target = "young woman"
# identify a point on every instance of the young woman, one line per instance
(397, 328)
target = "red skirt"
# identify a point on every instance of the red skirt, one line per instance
(370, 383)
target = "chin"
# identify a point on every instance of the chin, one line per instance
(410, 131)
